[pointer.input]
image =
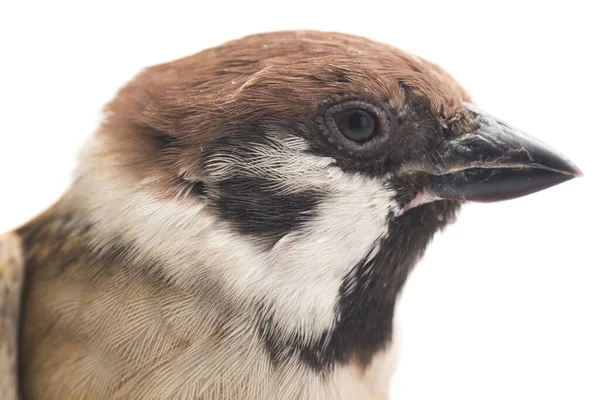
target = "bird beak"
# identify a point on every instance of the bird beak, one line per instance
(495, 162)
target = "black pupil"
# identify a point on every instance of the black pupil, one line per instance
(359, 121)
(357, 125)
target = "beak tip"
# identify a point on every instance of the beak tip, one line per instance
(573, 170)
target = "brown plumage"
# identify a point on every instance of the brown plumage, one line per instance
(11, 280)
(224, 237)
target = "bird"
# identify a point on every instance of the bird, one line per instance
(243, 220)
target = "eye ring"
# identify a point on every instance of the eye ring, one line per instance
(367, 140)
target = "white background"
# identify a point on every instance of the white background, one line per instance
(506, 303)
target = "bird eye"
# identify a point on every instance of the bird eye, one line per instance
(358, 127)
(356, 124)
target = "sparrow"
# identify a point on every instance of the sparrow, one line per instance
(242, 222)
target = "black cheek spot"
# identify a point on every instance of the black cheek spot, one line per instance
(255, 206)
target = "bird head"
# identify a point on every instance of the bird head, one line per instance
(298, 176)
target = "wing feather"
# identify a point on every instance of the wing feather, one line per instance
(12, 268)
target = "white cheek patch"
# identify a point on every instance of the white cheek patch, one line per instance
(307, 266)
(297, 280)
(282, 160)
